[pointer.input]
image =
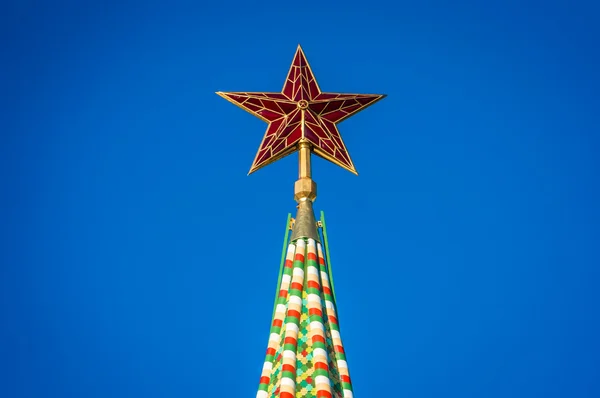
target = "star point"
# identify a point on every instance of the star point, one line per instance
(301, 111)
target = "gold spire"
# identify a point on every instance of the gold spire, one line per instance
(305, 188)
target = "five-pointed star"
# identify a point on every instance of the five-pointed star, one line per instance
(302, 111)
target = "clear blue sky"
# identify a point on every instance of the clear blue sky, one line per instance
(139, 260)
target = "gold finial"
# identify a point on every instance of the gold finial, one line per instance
(305, 192)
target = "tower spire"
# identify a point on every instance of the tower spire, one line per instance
(305, 356)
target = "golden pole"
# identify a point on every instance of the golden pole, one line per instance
(305, 188)
(304, 159)
(305, 192)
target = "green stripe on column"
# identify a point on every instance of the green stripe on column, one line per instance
(283, 255)
(329, 273)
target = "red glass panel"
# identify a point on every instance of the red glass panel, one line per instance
(340, 155)
(302, 59)
(304, 81)
(366, 101)
(263, 157)
(289, 129)
(288, 89)
(325, 96)
(297, 58)
(335, 115)
(252, 107)
(298, 92)
(294, 136)
(307, 72)
(327, 145)
(271, 105)
(315, 126)
(353, 108)
(305, 93)
(320, 132)
(325, 149)
(330, 127)
(291, 125)
(314, 90)
(311, 136)
(274, 126)
(269, 115)
(344, 154)
(333, 133)
(337, 141)
(287, 107)
(266, 142)
(317, 107)
(278, 147)
(295, 117)
(332, 106)
(275, 96)
(309, 117)
(254, 101)
(238, 98)
(349, 102)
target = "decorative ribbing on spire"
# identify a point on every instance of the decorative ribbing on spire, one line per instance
(305, 356)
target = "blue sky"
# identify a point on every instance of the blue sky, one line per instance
(139, 260)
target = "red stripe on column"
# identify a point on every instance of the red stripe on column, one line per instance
(296, 285)
(317, 338)
(278, 323)
(312, 256)
(322, 394)
(313, 284)
(346, 379)
(290, 340)
(271, 351)
(288, 368)
(282, 293)
(321, 365)
(332, 319)
(265, 380)
(294, 314)
(315, 311)
(339, 348)
(289, 263)
(286, 395)
(326, 290)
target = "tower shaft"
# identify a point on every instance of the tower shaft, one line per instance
(305, 356)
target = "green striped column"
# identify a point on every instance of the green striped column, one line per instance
(276, 326)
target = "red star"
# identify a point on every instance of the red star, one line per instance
(302, 111)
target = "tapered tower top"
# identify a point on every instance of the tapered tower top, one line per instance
(305, 356)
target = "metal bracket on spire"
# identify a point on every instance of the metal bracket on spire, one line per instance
(305, 225)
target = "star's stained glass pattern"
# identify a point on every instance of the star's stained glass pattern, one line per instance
(302, 111)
